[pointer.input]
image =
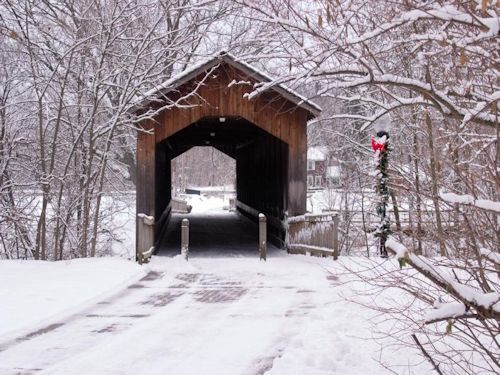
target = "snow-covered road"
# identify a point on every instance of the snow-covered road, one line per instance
(208, 316)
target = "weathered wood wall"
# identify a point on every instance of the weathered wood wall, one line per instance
(270, 171)
(262, 179)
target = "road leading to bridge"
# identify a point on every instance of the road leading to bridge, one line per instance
(228, 316)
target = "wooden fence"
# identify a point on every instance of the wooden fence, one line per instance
(321, 234)
(314, 234)
(370, 218)
(356, 226)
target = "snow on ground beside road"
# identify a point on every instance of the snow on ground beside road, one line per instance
(209, 316)
(122, 221)
(34, 291)
(322, 200)
(212, 189)
(203, 204)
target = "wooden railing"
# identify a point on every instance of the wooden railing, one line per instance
(370, 218)
(357, 225)
(275, 226)
(179, 206)
(314, 234)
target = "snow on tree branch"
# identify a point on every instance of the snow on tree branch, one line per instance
(469, 200)
(487, 305)
(445, 53)
(491, 256)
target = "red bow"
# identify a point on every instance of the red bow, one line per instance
(377, 146)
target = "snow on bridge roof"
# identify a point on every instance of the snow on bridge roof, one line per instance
(226, 57)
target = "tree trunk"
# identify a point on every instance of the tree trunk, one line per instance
(434, 185)
(417, 195)
(396, 210)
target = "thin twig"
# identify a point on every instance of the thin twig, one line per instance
(436, 367)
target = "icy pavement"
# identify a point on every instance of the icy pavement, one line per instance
(211, 316)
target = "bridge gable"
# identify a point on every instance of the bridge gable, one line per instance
(223, 92)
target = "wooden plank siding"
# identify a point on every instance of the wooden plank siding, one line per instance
(271, 172)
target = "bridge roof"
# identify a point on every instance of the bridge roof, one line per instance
(268, 83)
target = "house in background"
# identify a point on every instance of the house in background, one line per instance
(323, 170)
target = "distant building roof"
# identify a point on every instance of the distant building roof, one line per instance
(318, 153)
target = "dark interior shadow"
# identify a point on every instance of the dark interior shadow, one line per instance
(218, 234)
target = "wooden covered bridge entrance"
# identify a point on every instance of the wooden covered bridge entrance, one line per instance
(225, 103)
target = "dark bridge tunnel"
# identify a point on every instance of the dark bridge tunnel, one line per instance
(261, 166)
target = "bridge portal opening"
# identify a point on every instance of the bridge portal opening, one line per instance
(205, 171)
(254, 166)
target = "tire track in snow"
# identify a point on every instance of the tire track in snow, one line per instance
(295, 315)
(218, 323)
(110, 316)
(152, 275)
(48, 345)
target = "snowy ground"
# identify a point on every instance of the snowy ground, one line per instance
(203, 204)
(208, 316)
(216, 314)
(35, 292)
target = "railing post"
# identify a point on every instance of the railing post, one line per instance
(262, 236)
(140, 239)
(335, 236)
(145, 233)
(185, 238)
(287, 233)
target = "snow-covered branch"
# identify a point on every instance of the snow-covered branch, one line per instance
(469, 200)
(486, 305)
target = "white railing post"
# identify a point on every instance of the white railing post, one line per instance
(335, 236)
(185, 238)
(145, 233)
(263, 236)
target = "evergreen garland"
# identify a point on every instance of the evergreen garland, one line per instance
(382, 148)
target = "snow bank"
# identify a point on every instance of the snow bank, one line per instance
(201, 203)
(211, 189)
(34, 291)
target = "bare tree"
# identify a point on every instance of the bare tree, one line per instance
(432, 66)
(75, 71)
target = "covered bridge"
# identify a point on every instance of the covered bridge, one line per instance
(225, 103)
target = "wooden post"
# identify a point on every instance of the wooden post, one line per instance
(140, 239)
(335, 236)
(262, 236)
(145, 233)
(185, 238)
